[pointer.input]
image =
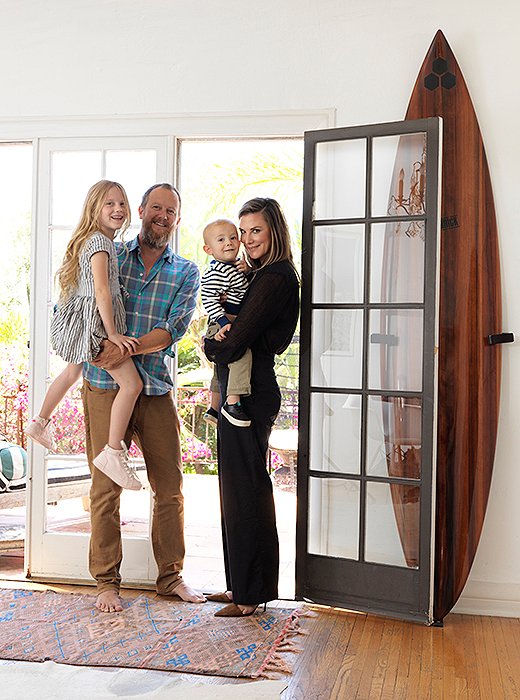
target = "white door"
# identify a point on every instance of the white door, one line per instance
(57, 545)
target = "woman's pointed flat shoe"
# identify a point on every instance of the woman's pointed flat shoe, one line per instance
(233, 610)
(219, 597)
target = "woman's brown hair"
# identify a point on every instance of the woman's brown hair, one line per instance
(280, 248)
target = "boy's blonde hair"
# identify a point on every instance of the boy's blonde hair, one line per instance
(214, 224)
(68, 273)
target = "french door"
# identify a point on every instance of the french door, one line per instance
(366, 454)
(66, 169)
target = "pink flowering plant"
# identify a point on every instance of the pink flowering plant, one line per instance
(68, 421)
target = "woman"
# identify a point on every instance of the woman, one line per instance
(266, 324)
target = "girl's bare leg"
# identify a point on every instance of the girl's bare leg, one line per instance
(130, 386)
(59, 387)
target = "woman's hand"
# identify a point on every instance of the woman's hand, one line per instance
(221, 334)
(242, 265)
(124, 342)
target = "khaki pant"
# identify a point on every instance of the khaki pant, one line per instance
(239, 379)
(155, 427)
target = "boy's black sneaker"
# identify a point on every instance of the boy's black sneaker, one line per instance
(235, 414)
(211, 416)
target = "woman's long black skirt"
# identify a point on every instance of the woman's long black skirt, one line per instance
(250, 538)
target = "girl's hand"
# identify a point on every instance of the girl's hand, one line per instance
(124, 342)
(222, 332)
(243, 266)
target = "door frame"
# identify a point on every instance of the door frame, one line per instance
(254, 124)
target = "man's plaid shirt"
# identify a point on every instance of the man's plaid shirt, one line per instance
(165, 299)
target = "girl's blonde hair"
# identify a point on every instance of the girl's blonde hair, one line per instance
(68, 273)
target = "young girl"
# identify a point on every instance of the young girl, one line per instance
(90, 309)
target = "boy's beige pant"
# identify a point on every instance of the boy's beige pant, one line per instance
(239, 381)
(155, 427)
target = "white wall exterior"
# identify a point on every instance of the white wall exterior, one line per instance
(111, 58)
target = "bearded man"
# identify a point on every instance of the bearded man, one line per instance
(161, 294)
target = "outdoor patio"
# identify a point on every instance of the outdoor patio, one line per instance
(204, 564)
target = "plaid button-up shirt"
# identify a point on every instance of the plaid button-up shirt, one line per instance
(165, 299)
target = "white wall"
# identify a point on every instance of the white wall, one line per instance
(63, 58)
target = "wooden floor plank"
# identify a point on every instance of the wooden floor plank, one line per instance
(507, 665)
(351, 669)
(388, 688)
(308, 660)
(483, 667)
(451, 657)
(349, 662)
(402, 677)
(488, 657)
(511, 632)
(370, 668)
(324, 640)
(424, 687)
(381, 665)
(470, 672)
(455, 632)
(437, 638)
(414, 668)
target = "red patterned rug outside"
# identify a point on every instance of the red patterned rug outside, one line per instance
(150, 633)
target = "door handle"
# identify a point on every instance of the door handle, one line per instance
(498, 338)
(384, 339)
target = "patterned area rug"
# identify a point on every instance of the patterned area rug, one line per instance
(150, 633)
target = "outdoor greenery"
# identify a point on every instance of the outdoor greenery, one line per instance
(215, 190)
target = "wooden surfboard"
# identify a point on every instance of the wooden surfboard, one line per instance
(402, 280)
(470, 311)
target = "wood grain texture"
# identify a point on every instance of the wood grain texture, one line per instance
(470, 310)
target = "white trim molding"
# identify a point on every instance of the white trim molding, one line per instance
(203, 125)
(500, 599)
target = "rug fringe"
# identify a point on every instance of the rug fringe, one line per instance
(285, 642)
(275, 667)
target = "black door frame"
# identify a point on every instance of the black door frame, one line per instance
(392, 590)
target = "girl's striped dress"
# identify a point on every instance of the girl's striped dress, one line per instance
(77, 330)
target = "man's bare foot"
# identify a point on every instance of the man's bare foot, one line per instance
(109, 601)
(187, 594)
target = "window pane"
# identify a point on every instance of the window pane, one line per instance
(392, 524)
(394, 437)
(340, 180)
(337, 343)
(338, 264)
(395, 349)
(136, 171)
(399, 175)
(335, 432)
(73, 173)
(333, 518)
(397, 262)
(16, 180)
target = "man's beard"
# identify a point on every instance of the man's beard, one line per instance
(152, 241)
